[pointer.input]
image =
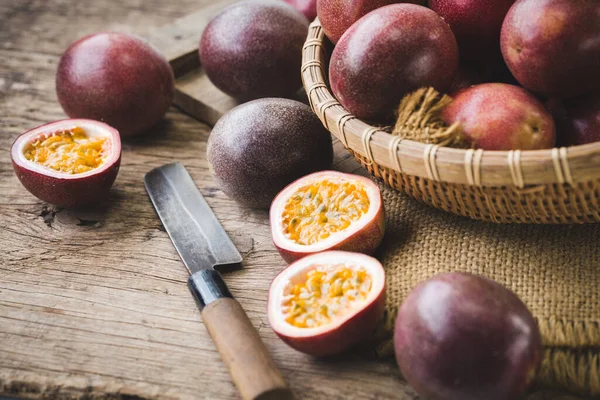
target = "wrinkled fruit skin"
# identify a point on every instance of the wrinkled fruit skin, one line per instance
(115, 78)
(497, 116)
(464, 337)
(253, 49)
(306, 7)
(552, 47)
(69, 193)
(476, 25)
(260, 147)
(578, 120)
(381, 58)
(355, 330)
(336, 16)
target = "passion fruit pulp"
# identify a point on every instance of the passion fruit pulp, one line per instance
(327, 210)
(69, 163)
(327, 302)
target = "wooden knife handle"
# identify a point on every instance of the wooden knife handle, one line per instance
(253, 370)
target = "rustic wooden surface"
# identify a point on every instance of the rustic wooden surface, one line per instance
(93, 304)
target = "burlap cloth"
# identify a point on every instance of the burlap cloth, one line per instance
(554, 269)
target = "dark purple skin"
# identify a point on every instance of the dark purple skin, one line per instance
(253, 49)
(464, 337)
(476, 25)
(388, 53)
(577, 120)
(306, 7)
(336, 16)
(552, 47)
(115, 78)
(260, 147)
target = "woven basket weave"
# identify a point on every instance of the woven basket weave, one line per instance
(545, 186)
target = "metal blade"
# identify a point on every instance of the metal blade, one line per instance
(198, 236)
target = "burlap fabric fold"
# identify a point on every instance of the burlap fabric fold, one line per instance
(554, 269)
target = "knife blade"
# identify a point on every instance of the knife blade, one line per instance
(203, 244)
(197, 235)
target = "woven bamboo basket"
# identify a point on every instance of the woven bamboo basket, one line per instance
(561, 185)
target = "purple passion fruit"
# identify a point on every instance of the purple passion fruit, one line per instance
(253, 49)
(306, 7)
(577, 120)
(464, 337)
(388, 53)
(476, 25)
(325, 303)
(327, 210)
(552, 47)
(337, 16)
(258, 148)
(497, 116)
(115, 78)
(68, 163)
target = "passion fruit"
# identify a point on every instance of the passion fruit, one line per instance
(325, 303)
(253, 49)
(464, 337)
(327, 210)
(259, 147)
(115, 78)
(389, 53)
(68, 163)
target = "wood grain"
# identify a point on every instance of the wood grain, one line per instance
(93, 303)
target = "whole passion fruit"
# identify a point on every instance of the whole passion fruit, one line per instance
(259, 147)
(337, 16)
(464, 337)
(497, 116)
(68, 163)
(325, 303)
(115, 78)
(253, 49)
(327, 210)
(306, 7)
(388, 53)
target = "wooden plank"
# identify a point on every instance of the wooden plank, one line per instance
(194, 93)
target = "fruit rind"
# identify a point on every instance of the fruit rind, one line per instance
(363, 236)
(460, 336)
(64, 189)
(350, 329)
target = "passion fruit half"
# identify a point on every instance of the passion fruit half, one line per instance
(327, 210)
(327, 302)
(69, 163)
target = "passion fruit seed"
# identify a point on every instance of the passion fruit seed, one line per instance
(71, 151)
(330, 291)
(316, 211)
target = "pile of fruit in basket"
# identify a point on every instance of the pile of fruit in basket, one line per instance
(521, 74)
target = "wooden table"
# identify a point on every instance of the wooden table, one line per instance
(93, 304)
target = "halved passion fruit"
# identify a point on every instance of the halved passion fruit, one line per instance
(68, 163)
(327, 210)
(327, 302)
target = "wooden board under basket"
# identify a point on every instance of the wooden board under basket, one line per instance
(194, 92)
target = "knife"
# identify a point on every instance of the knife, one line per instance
(203, 244)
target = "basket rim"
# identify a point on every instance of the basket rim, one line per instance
(520, 169)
